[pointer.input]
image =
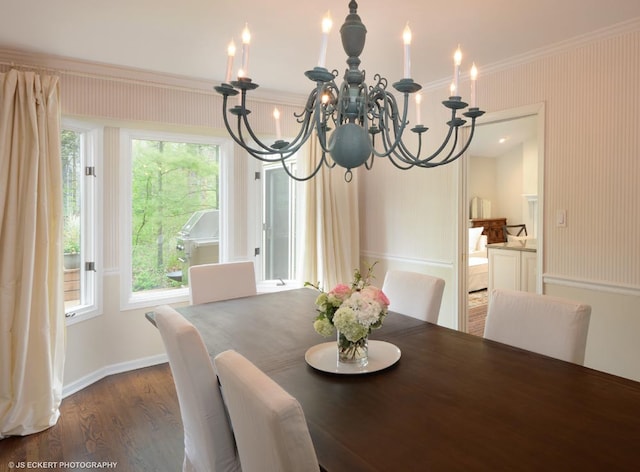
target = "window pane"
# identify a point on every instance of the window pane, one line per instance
(277, 237)
(279, 224)
(71, 152)
(171, 181)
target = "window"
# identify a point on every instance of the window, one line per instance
(80, 181)
(279, 223)
(278, 218)
(173, 213)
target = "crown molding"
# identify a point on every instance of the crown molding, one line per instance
(60, 65)
(571, 44)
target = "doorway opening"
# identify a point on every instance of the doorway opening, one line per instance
(500, 183)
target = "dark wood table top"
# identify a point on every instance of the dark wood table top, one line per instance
(453, 401)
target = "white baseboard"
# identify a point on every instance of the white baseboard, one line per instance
(89, 379)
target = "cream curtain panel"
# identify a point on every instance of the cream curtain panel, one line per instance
(31, 282)
(331, 235)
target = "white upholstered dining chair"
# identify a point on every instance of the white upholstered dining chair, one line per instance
(547, 325)
(414, 294)
(209, 445)
(269, 425)
(221, 281)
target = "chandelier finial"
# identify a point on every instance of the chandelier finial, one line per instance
(353, 33)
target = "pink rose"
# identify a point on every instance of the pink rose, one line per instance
(341, 292)
(376, 294)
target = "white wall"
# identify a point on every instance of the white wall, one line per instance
(483, 183)
(509, 180)
(591, 170)
(530, 155)
(505, 180)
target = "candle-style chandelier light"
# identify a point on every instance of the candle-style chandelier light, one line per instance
(354, 123)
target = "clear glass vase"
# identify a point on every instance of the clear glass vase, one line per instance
(353, 352)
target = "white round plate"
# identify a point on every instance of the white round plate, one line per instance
(324, 357)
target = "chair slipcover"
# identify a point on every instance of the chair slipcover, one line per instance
(414, 294)
(269, 424)
(213, 282)
(540, 323)
(208, 439)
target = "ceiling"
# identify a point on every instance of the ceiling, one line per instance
(189, 38)
(497, 138)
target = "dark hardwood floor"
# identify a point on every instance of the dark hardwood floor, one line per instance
(132, 419)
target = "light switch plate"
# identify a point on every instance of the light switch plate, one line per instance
(561, 218)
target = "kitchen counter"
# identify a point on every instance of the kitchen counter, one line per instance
(513, 265)
(529, 245)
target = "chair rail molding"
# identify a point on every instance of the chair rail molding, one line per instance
(600, 286)
(370, 255)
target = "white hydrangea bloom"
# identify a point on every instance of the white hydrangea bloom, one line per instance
(367, 311)
(323, 326)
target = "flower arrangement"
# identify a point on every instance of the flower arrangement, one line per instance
(354, 310)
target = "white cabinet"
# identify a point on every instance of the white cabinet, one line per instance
(512, 267)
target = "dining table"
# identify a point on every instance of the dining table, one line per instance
(439, 400)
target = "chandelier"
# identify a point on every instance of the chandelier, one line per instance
(354, 123)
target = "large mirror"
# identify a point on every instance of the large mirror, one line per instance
(500, 184)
